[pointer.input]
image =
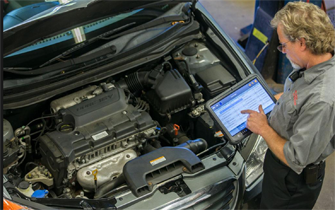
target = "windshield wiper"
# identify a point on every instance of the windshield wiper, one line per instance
(86, 43)
(63, 66)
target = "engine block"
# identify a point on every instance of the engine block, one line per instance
(92, 131)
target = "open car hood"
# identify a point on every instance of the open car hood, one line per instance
(65, 17)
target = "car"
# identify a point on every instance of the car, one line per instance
(104, 107)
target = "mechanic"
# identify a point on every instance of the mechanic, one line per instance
(300, 129)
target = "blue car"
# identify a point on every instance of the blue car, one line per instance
(104, 107)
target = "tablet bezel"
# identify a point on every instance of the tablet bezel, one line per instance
(237, 138)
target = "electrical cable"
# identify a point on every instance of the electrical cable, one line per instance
(49, 116)
(212, 147)
(23, 158)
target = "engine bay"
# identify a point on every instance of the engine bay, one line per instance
(89, 141)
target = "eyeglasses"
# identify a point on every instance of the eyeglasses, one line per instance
(281, 46)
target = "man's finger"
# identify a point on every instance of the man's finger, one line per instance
(260, 108)
(247, 111)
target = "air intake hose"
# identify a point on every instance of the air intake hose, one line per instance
(196, 146)
(140, 80)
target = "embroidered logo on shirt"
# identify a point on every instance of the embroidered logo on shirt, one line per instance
(295, 97)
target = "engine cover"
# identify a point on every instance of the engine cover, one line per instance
(92, 131)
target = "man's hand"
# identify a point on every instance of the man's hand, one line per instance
(257, 121)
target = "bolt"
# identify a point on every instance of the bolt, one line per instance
(124, 112)
(184, 169)
(50, 175)
(73, 184)
(82, 193)
(120, 199)
(214, 158)
(197, 56)
(195, 45)
(88, 172)
(29, 176)
(149, 183)
(127, 156)
(234, 163)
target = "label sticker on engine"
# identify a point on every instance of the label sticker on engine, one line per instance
(100, 135)
(157, 160)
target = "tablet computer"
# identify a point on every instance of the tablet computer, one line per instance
(226, 108)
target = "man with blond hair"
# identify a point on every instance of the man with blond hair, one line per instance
(300, 130)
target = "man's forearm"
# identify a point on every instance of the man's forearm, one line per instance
(275, 143)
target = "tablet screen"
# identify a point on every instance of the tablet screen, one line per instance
(249, 96)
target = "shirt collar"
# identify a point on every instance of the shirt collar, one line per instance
(311, 73)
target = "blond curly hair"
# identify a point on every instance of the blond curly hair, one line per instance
(305, 20)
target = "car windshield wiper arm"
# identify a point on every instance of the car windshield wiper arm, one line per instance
(63, 66)
(84, 44)
(153, 23)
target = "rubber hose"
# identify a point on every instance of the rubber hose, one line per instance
(196, 146)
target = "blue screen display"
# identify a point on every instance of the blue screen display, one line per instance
(249, 96)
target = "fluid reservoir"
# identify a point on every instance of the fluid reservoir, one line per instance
(25, 188)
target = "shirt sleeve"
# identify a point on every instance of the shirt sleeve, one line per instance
(312, 132)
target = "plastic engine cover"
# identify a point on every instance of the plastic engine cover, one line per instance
(170, 94)
(157, 166)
